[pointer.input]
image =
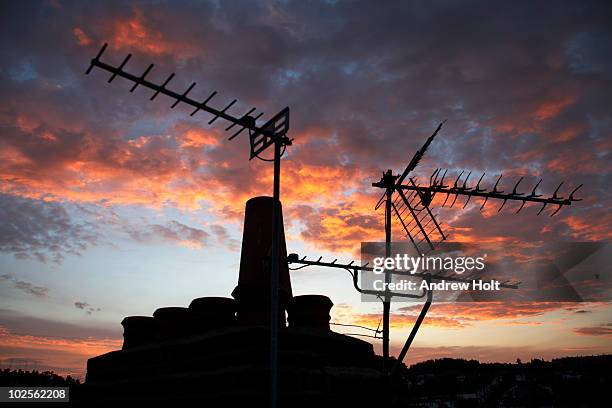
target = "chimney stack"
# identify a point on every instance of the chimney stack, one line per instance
(253, 291)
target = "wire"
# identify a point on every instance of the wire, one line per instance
(264, 159)
(356, 325)
(363, 335)
(271, 160)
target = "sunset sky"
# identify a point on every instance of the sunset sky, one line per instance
(112, 205)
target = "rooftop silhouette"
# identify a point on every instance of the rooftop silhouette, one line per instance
(216, 350)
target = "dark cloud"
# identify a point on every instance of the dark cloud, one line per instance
(81, 305)
(41, 230)
(89, 309)
(601, 330)
(224, 238)
(525, 88)
(26, 287)
(172, 231)
(48, 230)
(23, 324)
(20, 362)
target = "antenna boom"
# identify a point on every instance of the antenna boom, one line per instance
(245, 121)
(419, 154)
(483, 194)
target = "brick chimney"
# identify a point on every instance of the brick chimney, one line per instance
(253, 291)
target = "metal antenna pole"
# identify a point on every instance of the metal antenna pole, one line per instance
(387, 300)
(274, 278)
(414, 331)
(388, 182)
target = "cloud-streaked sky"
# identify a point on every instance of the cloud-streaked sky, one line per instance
(112, 205)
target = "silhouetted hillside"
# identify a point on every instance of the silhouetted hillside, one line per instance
(35, 378)
(447, 382)
(563, 382)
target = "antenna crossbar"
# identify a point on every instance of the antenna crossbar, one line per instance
(464, 190)
(261, 136)
(352, 267)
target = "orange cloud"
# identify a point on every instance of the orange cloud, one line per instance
(339, 227)
(580, 229)
(465, 315)
(569, 133)
(571, 162)
(188, 168)
(460, 315)
(82, 38)
(515, 126)
(551, 109)
(405, 320)
(494, 310)
(519, 323)
(136, 33)
(64, 356)
(198, 138)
